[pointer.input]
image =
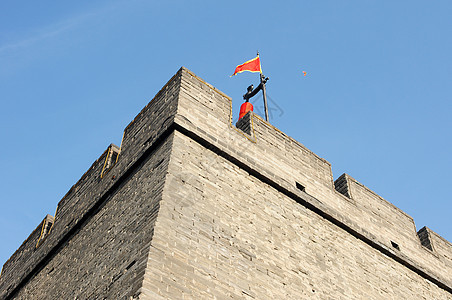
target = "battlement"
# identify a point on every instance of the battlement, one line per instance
(187, 106)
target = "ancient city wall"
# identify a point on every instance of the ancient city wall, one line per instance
(282, 161)
(223, 233)
(93, 190)
(242, 211)
(107, 256)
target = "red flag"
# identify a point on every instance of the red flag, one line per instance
(253, 65)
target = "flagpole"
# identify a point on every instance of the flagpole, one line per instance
(264, 93)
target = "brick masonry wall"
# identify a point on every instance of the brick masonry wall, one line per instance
(107, 256)
(69, 212)
(231, 212)
(222, 233)
(22, 254)
(283, 161)
(91, 191)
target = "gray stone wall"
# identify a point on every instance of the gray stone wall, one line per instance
(107, 256)
(24, 253)
(70, 210)
(222, 233)
(198, 208)
(282, 161)
(91, 192)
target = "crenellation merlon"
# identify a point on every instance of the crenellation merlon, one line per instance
(341, 185)
(46, 228)
(424, 237)
(439, 245)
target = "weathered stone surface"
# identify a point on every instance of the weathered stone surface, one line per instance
(196, 208)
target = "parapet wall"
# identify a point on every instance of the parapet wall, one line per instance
(189, 105)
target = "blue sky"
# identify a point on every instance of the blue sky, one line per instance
(375, 102)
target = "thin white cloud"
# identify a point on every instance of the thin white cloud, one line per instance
(56, 29)
(42, 34)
